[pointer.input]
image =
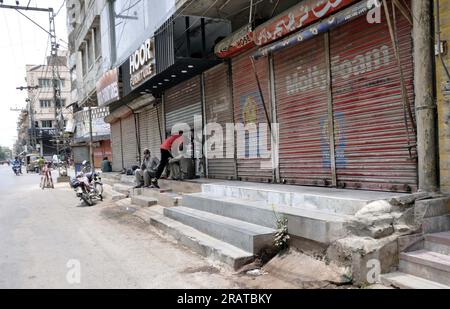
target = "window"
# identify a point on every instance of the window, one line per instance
(36, 124)
(89, 52)
(98, 43)
(62, 83)
(45, 103)
(47, 124)
(62, 103)
(45, 83)
(84, 67)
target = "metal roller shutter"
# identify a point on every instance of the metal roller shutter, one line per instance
(248, 109)
(116, 143)
(129, 141)
(181, 103)
(150, 134)
(219, 109)
(302, 108)
(371, 142)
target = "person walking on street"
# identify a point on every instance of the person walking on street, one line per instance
(166, 155)
(147, 171)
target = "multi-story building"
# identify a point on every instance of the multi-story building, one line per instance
(47, 118)
(87, 63)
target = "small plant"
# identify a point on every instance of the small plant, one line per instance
(281, 237)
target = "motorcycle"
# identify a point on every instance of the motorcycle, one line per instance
(17, 169)
(88, 187)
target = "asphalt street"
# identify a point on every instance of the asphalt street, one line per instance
(49, 239)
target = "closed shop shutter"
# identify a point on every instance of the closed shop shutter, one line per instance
(80, 154)
(150, 134)
(129, 141)
(248, 109)
(181, 103)
(219, 109)
(371, 142)
(116, 142)
(302, 109)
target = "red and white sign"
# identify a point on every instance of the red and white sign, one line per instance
(297, 17)
(239, 41)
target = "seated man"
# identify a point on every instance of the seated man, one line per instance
(106, 165)
(147, 171)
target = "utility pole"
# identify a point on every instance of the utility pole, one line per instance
(423, 87)
(53, 59)
(29, 101)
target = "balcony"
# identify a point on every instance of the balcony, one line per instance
(43, 133)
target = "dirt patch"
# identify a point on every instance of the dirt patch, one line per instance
(202, 269)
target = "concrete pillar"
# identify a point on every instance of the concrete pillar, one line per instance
(425, 105)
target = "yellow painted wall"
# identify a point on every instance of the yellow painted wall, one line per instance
(443, 105)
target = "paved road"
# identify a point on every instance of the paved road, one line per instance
(46, 236)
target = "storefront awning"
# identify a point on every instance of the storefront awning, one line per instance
(325, 25)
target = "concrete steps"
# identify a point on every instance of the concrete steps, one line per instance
(426, 264)
(338, 201)
(143, 201)
(123, 189)
(199, 242)
(311, 224)
(439, 242)
(425, 268)
(246, 236)
(406, 281)
(165, 197)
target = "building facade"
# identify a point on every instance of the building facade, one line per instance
(88, 61)
(47, 119)
(442, 60)
(324, 99)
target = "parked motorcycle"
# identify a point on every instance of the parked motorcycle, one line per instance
(88, 187)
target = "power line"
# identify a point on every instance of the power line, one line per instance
(38, 25)
(59, 10)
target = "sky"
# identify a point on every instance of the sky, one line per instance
(22, 43)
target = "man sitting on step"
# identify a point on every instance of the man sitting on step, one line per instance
(147, 171)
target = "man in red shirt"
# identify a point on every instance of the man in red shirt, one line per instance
(166, 154)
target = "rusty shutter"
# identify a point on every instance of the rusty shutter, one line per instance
(248, 109)
(116, 141)
(371, 143)
(302, 109)
(129, 142)
(219, 109)
(149, 133)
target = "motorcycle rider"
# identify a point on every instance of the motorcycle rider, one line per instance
(17, 164)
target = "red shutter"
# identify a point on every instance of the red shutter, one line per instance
(302, 110)
(219, 109)
(371, 143)
(248, 108)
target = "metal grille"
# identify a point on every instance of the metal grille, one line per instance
(116, 142)
(248, 109)
(149, 132)
(181, 104)
(302, 108)
(129, 142)
(371, 143)
(219, 109)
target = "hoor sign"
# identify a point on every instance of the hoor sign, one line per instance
(299, 16)
(142, 64)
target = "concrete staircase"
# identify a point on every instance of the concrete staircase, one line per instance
(427, 268)
(243, 216)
